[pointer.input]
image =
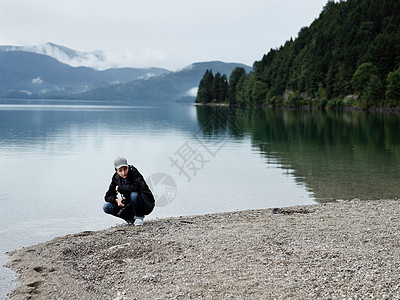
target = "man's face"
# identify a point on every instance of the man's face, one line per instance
(123, 172)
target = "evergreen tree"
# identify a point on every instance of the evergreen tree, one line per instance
(205, 92)
(234, 79)
(373, 93)
(393, 88)
(218, 88)
(362, 76)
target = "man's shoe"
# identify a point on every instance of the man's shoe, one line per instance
(129, 223)
(138, 222)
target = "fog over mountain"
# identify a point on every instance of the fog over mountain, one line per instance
(27, 74)
(56, 72)
(98, 60)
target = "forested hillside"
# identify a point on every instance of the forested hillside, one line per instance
(349, 56)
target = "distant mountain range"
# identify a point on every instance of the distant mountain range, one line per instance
(28, 74)
(98, 60)
(24, 74)
(179, 86)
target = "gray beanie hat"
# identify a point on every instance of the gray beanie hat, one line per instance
(120, 162)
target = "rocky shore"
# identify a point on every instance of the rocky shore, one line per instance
(341, 250)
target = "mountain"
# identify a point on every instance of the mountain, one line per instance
(178, 86)
(24, 74)
(98, 60)
(39, 72)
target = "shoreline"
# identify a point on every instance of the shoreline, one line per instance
(331, 250)
(383, 110)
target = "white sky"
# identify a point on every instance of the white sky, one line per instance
(163, 33)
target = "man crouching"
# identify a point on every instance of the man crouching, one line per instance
(128, 196)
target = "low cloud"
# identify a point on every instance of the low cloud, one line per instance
(37, 80)
(192, 92)
(99, 60)
(130, 59)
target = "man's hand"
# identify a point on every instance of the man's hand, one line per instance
(119, 202)
(119, 198)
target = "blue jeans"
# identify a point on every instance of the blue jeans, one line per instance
(138, 203)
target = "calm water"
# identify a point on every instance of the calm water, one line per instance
(56, 161)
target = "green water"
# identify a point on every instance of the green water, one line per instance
(337, 155)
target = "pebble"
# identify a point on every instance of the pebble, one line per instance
(338, 250)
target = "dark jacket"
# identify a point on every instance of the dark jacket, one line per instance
(133, 183)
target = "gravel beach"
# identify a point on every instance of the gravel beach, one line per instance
(341, 250)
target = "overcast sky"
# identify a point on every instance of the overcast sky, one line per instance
(163, 33)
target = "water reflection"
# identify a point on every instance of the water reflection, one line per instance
(336, 155)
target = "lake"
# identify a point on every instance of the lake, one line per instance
(56, 162)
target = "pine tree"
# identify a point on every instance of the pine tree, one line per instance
(205, 93)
